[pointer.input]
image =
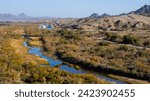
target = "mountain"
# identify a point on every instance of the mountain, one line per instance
(21, 17)
(10, 17)
(7, 16)
(95, 15)
(145, 10)
(123, 14)
(104, 15)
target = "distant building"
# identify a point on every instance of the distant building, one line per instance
(45, 26)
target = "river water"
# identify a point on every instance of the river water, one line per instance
(52, 62)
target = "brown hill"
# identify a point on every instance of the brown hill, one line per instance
(124, 22)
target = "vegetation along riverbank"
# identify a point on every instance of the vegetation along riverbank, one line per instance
(88, 50)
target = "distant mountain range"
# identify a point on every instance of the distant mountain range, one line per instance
(145, 10)
(95, 15)
(21, 17)
(11, 17)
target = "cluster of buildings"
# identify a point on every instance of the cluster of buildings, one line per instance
(45, 26)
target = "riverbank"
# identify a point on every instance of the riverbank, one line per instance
(54, 64)
(64, 66)
(97, 56)
(77, 67)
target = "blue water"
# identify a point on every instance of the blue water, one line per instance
(52, 62)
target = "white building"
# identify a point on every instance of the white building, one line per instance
(45, 26)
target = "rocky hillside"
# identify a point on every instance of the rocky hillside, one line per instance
(131, 21)
(145, 10)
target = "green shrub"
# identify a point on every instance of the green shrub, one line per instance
(69, 34)
(128, 39)
(112, 37)
(123, 47)
(103, 43)
(146, 43)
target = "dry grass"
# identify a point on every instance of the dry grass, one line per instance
(35, 41)
(23, 51)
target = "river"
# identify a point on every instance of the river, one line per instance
(53, 62)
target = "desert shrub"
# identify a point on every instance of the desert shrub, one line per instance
(56, 76)
(63, 41)
(146, 43)
(128, 39)
(103, 43)
(69, 34)
(123, 47)
(113, 37)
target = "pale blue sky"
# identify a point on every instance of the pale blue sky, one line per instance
(69, 8)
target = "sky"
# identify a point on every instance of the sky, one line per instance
(69, 8)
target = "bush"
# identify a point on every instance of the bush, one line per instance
(103, 43)
(69, 34)
(147, 43)
(56, 76)
(124, 48)
(127, 39)
(112, 37)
